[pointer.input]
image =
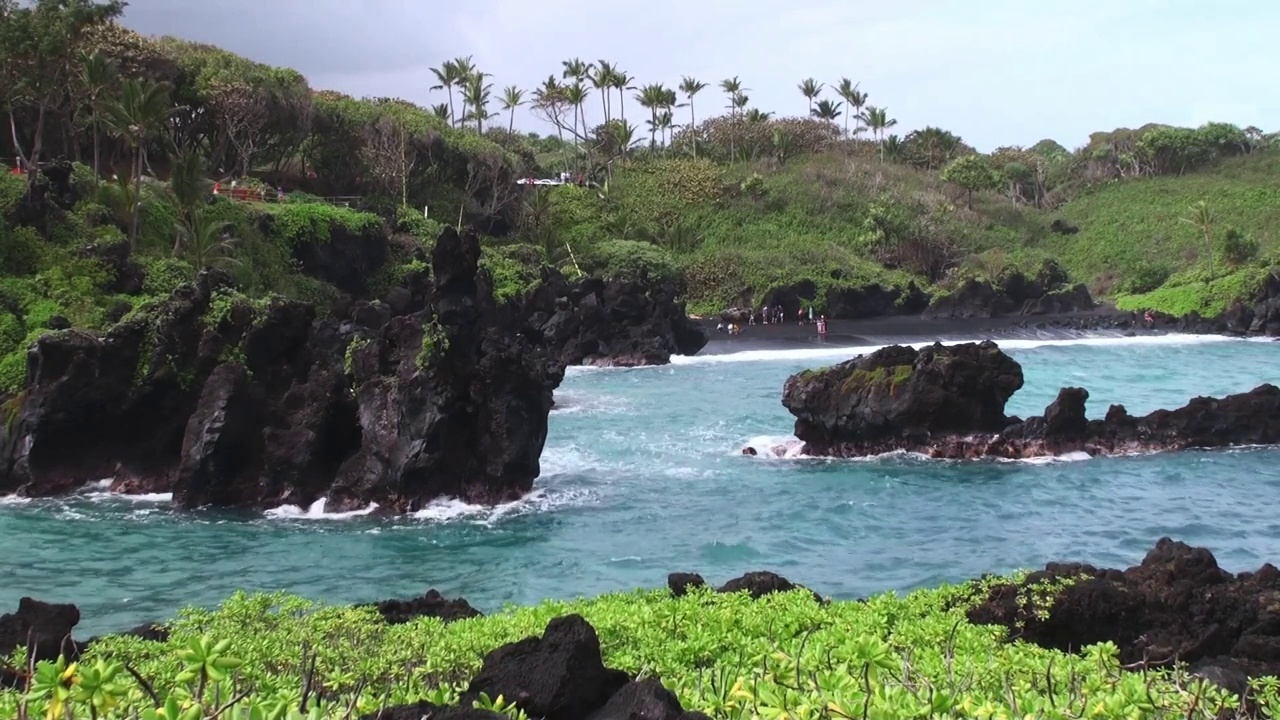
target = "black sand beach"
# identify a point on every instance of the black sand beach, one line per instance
(906, 329)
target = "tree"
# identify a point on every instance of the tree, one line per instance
(388, 153)
(243, 112)
(811, 89)
(732, 87)
(602, 81)
(1203, 218)
(447, 76)
(972, 173)
(512, 98)
(39, 55)
(136, 117)
(622, 83)
(848, 91)
(475, 95)
(827, 110)
(690, 87)
(95, 79)
(878, 120)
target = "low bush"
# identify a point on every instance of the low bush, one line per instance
(783, 656)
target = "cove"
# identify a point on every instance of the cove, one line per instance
(642, 476)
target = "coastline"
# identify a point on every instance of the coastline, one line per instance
(1183, 618)
(913, 328)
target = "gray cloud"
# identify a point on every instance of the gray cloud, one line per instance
(996, 72)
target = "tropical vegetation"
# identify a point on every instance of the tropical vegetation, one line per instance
(275, 656)
(685, 180)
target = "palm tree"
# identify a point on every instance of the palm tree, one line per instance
(654, 97)
(756, 115)
(878, 120)
(204, 242)
(447, 75)
(690, 87)
(811, 89)
(827, 110)
(1203, 218)
(97, 74)
(732, 87)
(136, 117)
(188, 183)
(576, 96)
(476, 95)
(622, 82)
(602, 80)
(548, 96)
(856, 101)
(442, 111)
(848, 91)
(465, 68)
(512, 98)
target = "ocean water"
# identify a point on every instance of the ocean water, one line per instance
(642, 475)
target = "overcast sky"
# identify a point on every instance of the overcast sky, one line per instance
(997, 72)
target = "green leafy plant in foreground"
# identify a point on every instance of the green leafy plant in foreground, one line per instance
(280, 657)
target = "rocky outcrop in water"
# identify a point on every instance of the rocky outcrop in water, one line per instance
(433, 604)
(1176, 605)
(757, 584)
(227, 404)
(948, 402)
(1048, 292)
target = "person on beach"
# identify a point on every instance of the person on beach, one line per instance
(822, 326)
(810, 314)
(1149, 319)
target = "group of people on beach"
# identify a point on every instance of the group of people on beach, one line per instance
(777, 316)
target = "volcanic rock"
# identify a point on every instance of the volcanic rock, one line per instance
(948, 402)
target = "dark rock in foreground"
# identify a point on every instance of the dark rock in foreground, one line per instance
(44, 629)
(948, 402)
(1176, 605)
(559, 676)
(433, 604)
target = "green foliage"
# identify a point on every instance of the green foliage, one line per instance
(1198, 291)
(164, 275)
(12, 188)
(515, 269)
(629, 259)
(784, 655)
(314, 222)
(974, 173)
(21, 251)
(1238, 248)
(434, 342)
(411, 221)
(1131, 232)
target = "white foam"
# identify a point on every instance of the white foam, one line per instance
(1077, 456)
(850, 351)
(540, 500)
(14, 500)
(316, 512)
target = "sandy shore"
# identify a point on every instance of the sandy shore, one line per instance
(910, 329)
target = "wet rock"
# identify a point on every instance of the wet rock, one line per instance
(43, 628)
(681, 583)
(948, 402)
(558, 676)
(433, 604)
(1047, 291)
(759, 583)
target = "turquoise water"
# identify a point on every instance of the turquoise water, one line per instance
(642, 475)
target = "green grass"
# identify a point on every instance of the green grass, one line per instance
(840, 220)
(1129, 227)
(784, 656)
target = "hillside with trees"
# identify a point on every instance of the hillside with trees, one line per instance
(121, 141)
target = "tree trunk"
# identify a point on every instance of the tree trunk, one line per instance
(137, 198)
(693, 128)
(96, 147)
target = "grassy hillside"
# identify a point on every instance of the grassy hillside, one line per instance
(841, 218)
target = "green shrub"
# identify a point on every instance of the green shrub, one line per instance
(1237, 248)
(414, 223)
(783, 656)
(21, 251)
(313, 222)
(164, 275)
(628, 259)
(515, 269)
